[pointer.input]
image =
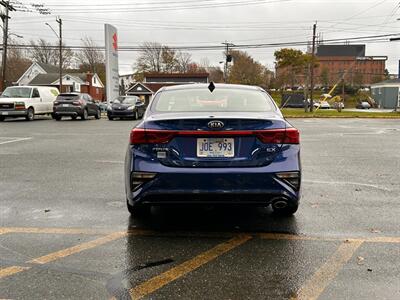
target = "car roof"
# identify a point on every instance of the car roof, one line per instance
(205, 85)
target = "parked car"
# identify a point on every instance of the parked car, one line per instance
(322, 105)
(363, 105)
(336, 105)
(75, 105)
(126, 107)
(27, 101)
(186, 151)
(103, 106)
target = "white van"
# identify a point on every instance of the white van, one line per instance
(27, 101)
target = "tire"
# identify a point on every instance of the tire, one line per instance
(73, 117)
(98, 114)
(2, 118)
(110, 118)
(138, 211)
(30, 116)
(136, 116)
(84, 115)
(287, 211)
(57, 118)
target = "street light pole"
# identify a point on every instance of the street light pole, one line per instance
(59, 35)
(312, 67)
(59, 21)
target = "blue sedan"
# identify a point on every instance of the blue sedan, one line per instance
(213, 144)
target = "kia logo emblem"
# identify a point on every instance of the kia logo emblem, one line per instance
(215, 124)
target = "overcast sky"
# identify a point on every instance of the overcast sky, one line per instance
(211, 22)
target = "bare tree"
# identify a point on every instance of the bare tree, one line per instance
(17, 63)
(90, 56)
(149, 59)
(184, 60)
(44, 52)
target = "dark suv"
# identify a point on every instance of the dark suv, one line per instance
(75, 105)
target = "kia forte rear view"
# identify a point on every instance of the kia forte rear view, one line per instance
(213, 144)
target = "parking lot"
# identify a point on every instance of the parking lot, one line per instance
(65, 231)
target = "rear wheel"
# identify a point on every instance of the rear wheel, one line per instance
(286, 211)
(84, 115)
(30, 114)
(138, 211)
(98, 114)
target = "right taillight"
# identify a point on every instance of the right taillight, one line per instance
(292, 136)
(279, 136)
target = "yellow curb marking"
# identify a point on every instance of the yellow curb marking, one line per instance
(186, 267)
(314, 287)
(11, 270)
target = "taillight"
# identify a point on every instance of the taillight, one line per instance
(279, 136)
(142, 136)
(268, 136)
(80, 102)
(292, 136)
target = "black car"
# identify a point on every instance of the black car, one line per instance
(126, 107)
(75, 105)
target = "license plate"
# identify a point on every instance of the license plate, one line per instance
(65, 105)
(4, 113)
(215, 147)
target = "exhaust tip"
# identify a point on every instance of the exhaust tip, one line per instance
(279, 203)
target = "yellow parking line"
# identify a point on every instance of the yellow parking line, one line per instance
(53, 230)
(328, 271)
(173, 274)
(78, 248)
(11, 270)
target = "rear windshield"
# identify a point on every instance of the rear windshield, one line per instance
(67, 97)
(17, 92)
(221, 99)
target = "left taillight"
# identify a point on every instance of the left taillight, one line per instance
(142, 136)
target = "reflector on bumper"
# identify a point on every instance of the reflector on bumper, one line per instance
(292, 178)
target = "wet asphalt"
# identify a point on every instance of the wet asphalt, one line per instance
(62, 193)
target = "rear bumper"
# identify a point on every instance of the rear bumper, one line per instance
(251, 186)
(121, 114)
(68, 111)
(13, 113)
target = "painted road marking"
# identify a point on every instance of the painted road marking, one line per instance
(11, 270)
(188, 266)
(13, 140)
(63, 253)
(328, 271)
(78, 248)
(138, 231)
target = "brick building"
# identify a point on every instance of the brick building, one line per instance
(336, 60)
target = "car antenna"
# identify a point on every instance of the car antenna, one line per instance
(211, 86)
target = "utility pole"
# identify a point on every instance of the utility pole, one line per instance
(228, 59)
(59, 21)
(312, 67)
(4, 16)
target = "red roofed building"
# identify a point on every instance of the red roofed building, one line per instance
(154, 81)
